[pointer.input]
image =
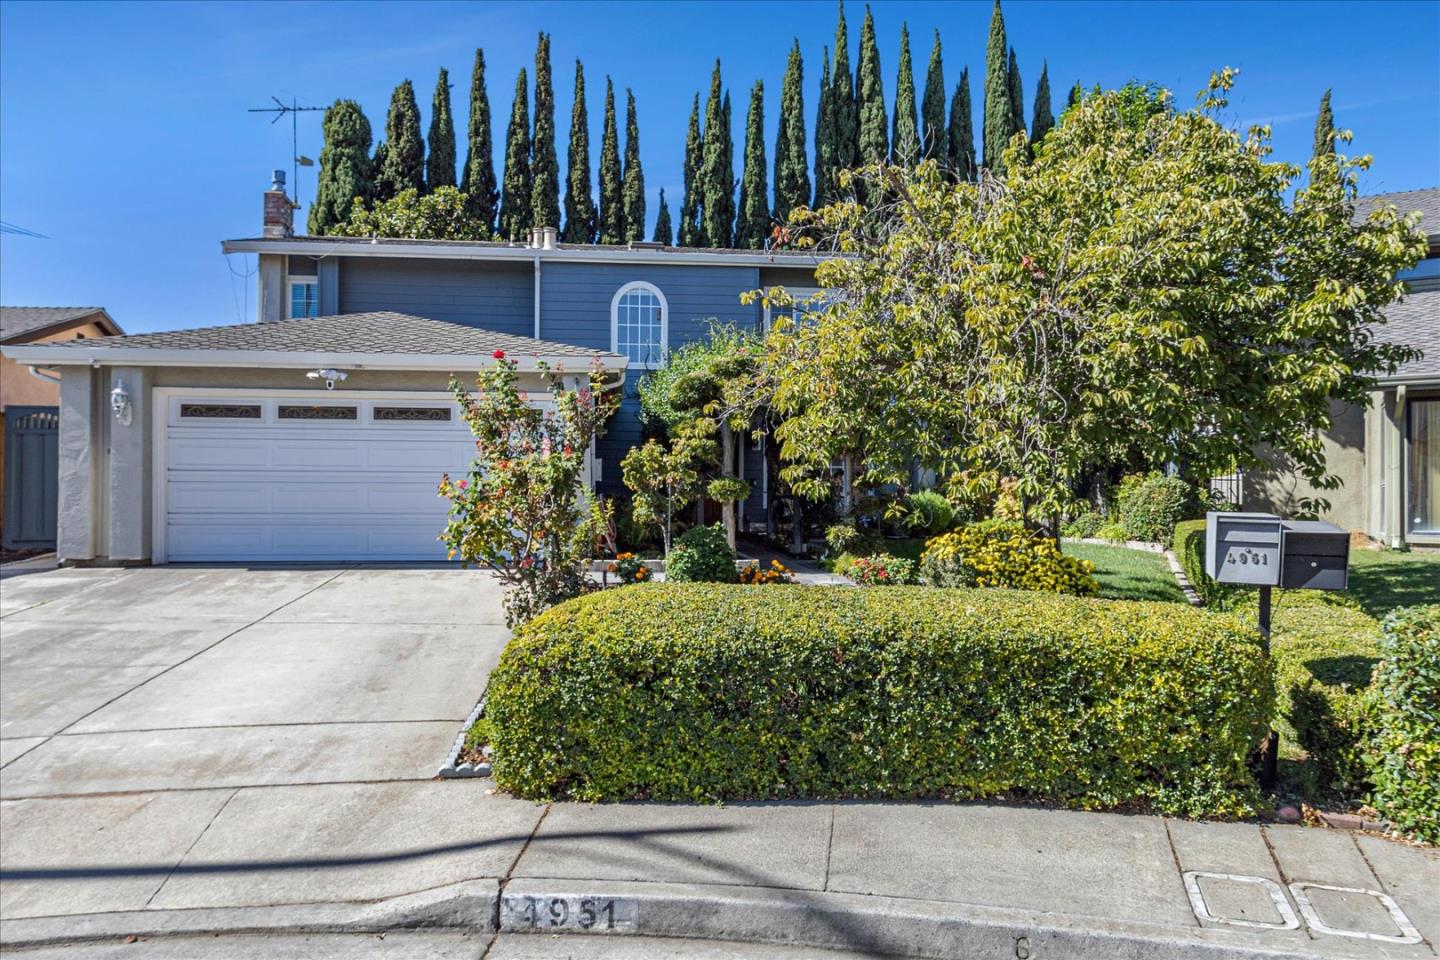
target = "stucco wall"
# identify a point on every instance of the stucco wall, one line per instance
(19, 388)
(1280, 490)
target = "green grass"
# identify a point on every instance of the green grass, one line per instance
(1126, 574)
(1382, 580)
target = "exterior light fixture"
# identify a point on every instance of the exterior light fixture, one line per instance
(120, 404)
(329, 376)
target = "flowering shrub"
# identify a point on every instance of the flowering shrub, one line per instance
(882, 570)
(630, 568)
(777, 572)
(519, 511)
(1002, 553)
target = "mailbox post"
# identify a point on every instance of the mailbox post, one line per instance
(1262, 550)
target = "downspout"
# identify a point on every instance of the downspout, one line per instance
(46, 376)
(537, 296)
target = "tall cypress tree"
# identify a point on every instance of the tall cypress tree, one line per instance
(344, 166)
(612, 208)
(544, 167)
(1017, 96)
(960, 152)
(440, 165)
(1044, 120)
(691, 226)
(717, 171)
(905, 134)
(932, 107)
(515, 209)
(1324, 129)
(752, 225)
(874, 139)
(1076, 94)
(663, 233)
(579, 200)
(402, 161)
(481, 194)
(825, 138)
(632, 185)
(999, 113)
(792, 170)
(844, 106)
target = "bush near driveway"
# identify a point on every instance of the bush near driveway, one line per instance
(709, 692)
(1405, 756)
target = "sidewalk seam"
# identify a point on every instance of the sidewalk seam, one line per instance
(505, 881)
(1280, 872)
(829, 850)
(204, 830)
(1179, 869)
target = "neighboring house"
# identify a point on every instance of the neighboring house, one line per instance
(28, 409)
(224, 443)
(1388, 454)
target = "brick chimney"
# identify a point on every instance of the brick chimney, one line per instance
(279, 212)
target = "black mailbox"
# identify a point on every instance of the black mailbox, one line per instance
(1314, 556)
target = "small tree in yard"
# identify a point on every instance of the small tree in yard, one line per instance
(1145, 285)
(520, 510)
(663, 480)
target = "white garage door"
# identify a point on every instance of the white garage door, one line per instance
(307, 476)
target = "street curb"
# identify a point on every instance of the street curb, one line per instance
(449, 770)
(1184, 581)
(922, 929)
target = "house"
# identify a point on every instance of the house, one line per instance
(28, 415)
(320, 431)
(1388, 454)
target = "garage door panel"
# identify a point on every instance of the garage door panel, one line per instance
(200, 452)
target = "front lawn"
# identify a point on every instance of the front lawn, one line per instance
(1382, 580)
(1127, 574)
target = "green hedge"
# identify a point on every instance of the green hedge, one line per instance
(710, 692)
(1190, 549)
(1405, 756)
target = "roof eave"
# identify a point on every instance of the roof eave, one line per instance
(98, 317)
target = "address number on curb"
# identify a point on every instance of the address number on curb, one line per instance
(560, 913)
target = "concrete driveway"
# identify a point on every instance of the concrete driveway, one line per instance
(190, 678)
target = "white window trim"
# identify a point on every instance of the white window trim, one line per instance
(800, 294)
(290, 284)
(664, 321)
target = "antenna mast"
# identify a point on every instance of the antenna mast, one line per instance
(294, 109)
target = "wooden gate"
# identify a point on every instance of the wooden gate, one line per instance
(32, 468)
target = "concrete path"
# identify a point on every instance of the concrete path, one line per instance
(199, 751)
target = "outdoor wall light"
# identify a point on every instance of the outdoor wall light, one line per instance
(329, 376)
(120, 404)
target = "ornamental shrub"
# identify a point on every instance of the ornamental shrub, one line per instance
(630, 568)
(701, 692)
(928, 513)
(1190, 549)
(1405, 755)
(882, 570)
(1084, 524)
(1113, 532)
(1002, 553)
(1150, 506)
(701, 555)
(842, 537)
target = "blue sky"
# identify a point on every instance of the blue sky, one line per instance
(124, 136)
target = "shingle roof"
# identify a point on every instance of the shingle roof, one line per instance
(1415, 322)
(1426, 201)
(378, 333)
(17, 322)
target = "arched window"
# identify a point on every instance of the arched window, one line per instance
(639, 324)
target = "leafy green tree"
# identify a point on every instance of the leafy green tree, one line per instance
(844, 105)
(874, 139)
(344, 166)
(402, 159)
(440, 165)
(825, 138)
(411, 215)
(633, 179)
(692, 228)
(932, 107)
(905, 132)
(792, 168)
(1324, 129)
(1238, 313)
(752, 225)
(1017, 97)
(580, 219)
(664, 480)
(612, 209)
(1044, 119)
(544, 167)
(960, 143)
(515, 216)
(664, 233)
(717, 170)
(999, 110)
(478, 179)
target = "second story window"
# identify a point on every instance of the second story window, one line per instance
(304, 297)
(639, 320)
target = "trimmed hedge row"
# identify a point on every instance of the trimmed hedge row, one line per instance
(710, 692)
(1405, 760)
(1190, 549)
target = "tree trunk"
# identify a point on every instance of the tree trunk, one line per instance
(727, 461)
(847, 482)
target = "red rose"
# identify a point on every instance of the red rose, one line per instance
(498, 354)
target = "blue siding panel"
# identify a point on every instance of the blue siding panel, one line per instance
(495, 296)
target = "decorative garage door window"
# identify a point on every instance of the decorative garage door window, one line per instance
(220, 411)
(426, 414)
(307, 412)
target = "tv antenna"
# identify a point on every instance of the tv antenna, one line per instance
(294, 109)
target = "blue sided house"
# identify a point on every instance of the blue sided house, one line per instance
(319, 432)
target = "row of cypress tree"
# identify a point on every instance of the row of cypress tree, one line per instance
(851, 129)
